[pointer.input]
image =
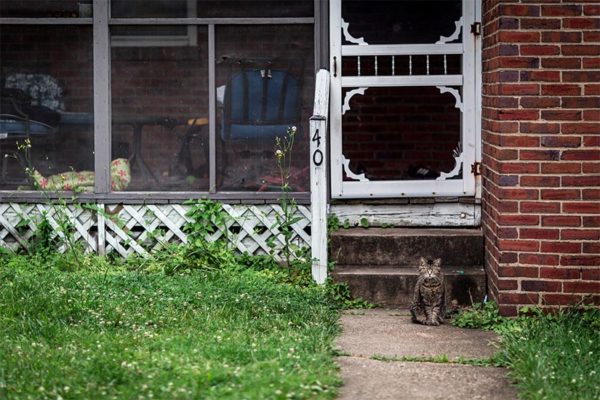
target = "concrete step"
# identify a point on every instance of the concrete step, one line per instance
(393, 286)
(405, 246)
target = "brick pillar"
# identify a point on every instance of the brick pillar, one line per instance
(541, 154)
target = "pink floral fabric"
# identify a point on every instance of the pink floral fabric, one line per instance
(120, 174)
(83, 181)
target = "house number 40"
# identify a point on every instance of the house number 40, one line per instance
(317, 156)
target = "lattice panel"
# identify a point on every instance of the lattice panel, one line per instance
(142, 228)
(251, 227)
(130, 229)
(19, 222)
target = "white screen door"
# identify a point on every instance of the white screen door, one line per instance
(404, 98)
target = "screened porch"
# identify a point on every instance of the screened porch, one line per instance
(130, 99)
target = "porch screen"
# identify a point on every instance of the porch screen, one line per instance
(194, 94)
(262, 84)
(265, 80)
(46, 107)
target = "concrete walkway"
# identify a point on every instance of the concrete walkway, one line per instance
(386, 335)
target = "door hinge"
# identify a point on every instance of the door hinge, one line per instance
(476, 168)
(476, 28)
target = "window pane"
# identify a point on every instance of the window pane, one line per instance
(401, 22)
(400, 133)
(211, 8)
(46, 8)
(46, 78)
(255, 8)
(150, 8)
(160, 108)
(265, 83)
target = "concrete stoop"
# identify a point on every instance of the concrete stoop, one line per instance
(380, 265)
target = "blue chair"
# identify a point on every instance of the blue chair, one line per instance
(260, 104)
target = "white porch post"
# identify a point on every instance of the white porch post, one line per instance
(318, 177)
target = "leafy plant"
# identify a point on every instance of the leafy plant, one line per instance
(340, 293)
(481, 315)
(42, 240)
(333, 223)
(257, 262)
(207, 217)
(202, 251)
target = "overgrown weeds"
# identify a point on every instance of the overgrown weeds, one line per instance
(209, 248)
(550, 356)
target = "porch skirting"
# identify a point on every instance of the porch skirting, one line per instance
(131, 229)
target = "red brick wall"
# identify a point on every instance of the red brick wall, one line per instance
(541, 154)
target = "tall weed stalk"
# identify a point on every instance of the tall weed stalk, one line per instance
(289, 208)
(59, 214)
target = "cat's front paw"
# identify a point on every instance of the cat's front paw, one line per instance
(432, 323)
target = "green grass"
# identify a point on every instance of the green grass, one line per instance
(113, 333)
(554, 356)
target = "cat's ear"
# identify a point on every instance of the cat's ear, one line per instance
(423, 261)
(437, 263)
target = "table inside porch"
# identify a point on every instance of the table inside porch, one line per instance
(137, 123)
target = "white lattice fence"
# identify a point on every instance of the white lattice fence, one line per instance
(19, 222)
(129, 229)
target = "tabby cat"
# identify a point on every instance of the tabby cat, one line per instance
(428, 306)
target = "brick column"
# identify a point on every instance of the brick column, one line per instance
(541, 154)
